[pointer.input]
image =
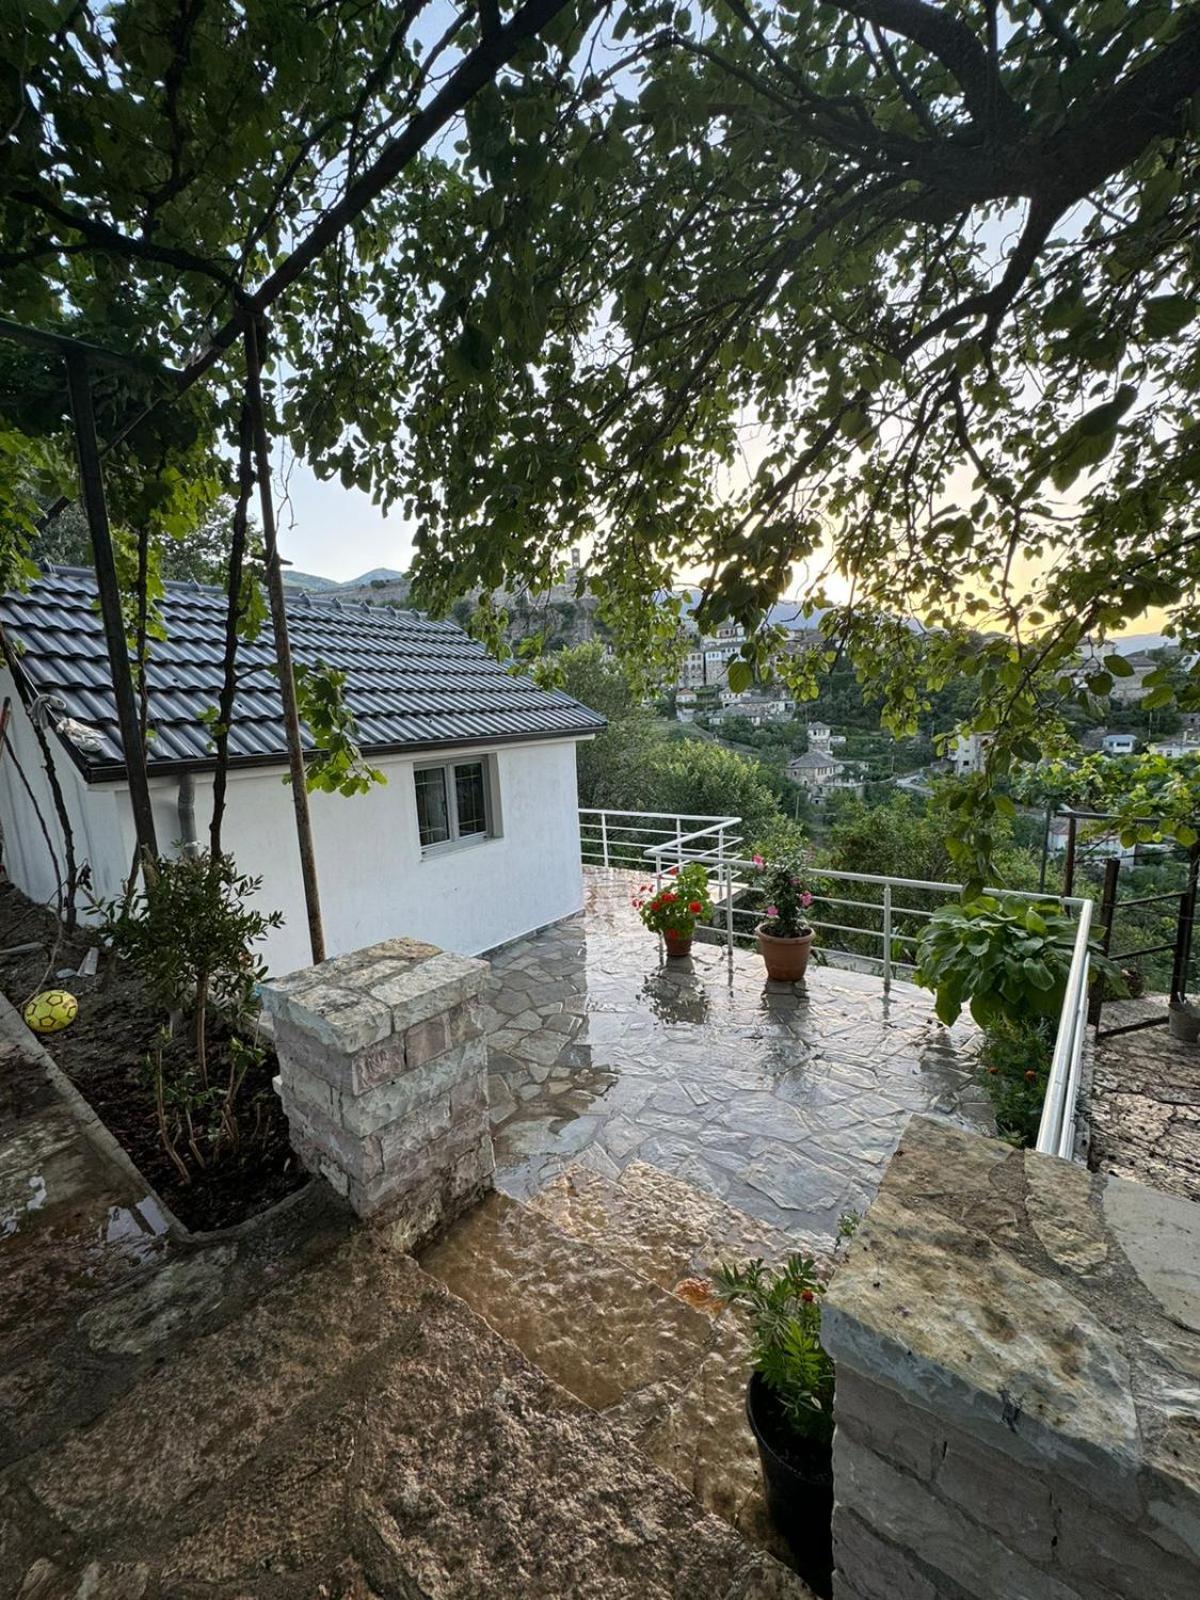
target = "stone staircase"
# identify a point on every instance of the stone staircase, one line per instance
(602, 1284)
(358, 1432)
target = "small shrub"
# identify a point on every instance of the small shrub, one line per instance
(1016, 1060)
(785, 1320)
(1005, 964)
(189, 935)
(786, 897)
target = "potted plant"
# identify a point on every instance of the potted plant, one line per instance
(675, 908)
(789, 1404)
(785, 934)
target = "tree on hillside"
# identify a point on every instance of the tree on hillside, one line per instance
(939, 260)
(635, 764)
(198, 554)
(708, 780)
(718, 286)
(616, 768)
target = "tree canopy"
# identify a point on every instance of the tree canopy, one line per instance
(891, 300)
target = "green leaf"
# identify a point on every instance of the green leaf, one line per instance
(1168, 314)
(741, 676)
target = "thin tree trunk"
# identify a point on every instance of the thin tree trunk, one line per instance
(235, 605)
(201, 1026)
(283, 649)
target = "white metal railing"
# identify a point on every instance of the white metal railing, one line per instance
(626, 838)
(1056, 1131)
(662, 839)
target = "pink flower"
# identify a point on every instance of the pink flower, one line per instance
(806, 899)
(772, 911)
(759, 862)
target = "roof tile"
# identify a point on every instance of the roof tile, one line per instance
(412, 683)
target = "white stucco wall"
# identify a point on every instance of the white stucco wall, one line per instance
(95, 816)
(375, 883)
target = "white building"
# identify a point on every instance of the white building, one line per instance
(691, 668)
(820, 736)
(816, 770)
(969, 753)
(760, 709)
(474, 839)
(1118, 744)
(1183, 744)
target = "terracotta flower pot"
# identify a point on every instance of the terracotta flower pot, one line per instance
(678, 944)
(785, 959)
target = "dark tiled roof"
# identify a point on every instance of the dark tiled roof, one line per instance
(412, 684)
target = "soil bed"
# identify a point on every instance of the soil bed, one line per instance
(102, 1053)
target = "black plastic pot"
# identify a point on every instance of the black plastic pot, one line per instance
(798, 1479)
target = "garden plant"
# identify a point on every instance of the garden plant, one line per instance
(790, 1401)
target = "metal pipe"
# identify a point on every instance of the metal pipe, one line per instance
(185, 805)
(91, 483)
(283, 648)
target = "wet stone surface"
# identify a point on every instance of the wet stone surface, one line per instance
(785, 1100)
(1145, 1102)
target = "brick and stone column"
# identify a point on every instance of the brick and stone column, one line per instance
(1018, 1382)
(383, 1075)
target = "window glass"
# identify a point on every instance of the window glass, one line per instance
(433, 812)
(471, 793)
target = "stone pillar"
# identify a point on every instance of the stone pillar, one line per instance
(383, 1075)
(1018, 1382)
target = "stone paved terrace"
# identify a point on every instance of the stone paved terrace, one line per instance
(785, 1100)
(1144, 1105)
(293, 1409)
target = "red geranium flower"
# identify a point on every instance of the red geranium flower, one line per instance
(694, 906)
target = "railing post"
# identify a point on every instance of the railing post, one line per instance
(887, 938)
(604, 836)
(1069, 868)
(729, 915)
(1108, 913)
(679, 841)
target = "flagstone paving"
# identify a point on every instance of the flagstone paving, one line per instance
(786, 1100)
(1144, 1107)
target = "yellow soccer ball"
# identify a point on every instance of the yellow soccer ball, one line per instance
(51, 1011)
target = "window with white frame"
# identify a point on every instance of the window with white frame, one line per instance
(455, 803)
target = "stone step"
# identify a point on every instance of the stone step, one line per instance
(666, 1229)
(359, 1433)
(602, 1283)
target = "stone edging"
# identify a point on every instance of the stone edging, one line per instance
(93, 1128)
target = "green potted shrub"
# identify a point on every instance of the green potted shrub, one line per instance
(676, 906)
(1003, 963)
(1008, 963)
(789, 1404)
(785, 934)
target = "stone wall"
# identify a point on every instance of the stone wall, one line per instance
(1018, 1396)
(383, 1075)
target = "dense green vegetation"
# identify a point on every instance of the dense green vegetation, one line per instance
(644, 763)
